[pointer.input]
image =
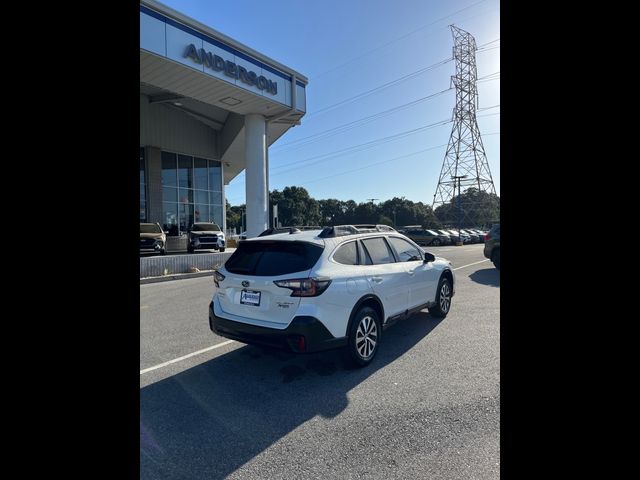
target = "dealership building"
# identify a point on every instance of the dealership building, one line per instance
(209, 109)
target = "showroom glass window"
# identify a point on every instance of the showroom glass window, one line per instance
(191, 191)
(143, 188)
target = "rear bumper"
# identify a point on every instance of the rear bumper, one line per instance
(315, 335)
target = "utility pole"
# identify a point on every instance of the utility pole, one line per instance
(465, 156)
(458, 178)
(372, 199)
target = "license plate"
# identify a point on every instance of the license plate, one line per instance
(249, 297)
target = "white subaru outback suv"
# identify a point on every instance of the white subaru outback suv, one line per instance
(309, 291)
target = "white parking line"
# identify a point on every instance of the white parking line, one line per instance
(186, 356)
(475, 263)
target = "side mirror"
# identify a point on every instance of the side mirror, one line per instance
(429, 257)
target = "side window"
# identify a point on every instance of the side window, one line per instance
(406, 252)
(378, 250)
(347, 254)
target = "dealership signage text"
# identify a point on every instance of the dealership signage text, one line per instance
(219, 64)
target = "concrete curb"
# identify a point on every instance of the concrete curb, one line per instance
(178, 276)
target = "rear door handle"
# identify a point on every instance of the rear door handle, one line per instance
(376, 279)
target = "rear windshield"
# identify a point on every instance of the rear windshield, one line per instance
(150, 228)
(270, 258)
(205, 227)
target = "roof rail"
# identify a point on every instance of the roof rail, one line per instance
(376, 228)
(342, 230)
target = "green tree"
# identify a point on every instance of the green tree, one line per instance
(234, 216)
(382, 220)
(296, 207)
(332, 211)
(479, 209)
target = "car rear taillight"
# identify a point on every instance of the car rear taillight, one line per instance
(486, 237)
(305, 287)
(218, 277)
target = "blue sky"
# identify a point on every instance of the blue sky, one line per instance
(347, 48)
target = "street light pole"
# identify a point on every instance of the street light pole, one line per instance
(458, 178)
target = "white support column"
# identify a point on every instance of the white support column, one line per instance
(255, 152)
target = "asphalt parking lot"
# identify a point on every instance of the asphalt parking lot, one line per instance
(427, 407)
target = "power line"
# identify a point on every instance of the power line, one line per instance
(376, 163)
(379, 163)
(488, 43)
(363, 121)
(370, 144)
(357, 123)
(351, 60)
(379, 88)
(488, 49)
(373, 164)
(356, 148)
(359, 147)
(279, 173)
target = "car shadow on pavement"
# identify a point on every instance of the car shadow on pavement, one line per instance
(210, 420)
(487, 276)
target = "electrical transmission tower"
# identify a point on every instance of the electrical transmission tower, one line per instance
(465, 163)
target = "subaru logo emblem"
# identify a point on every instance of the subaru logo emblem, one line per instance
(245, 283)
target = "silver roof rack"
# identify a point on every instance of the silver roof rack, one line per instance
(342, 230)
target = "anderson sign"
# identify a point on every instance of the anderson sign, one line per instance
(217, 63)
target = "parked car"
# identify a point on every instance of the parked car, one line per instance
(455, 234)
(475, 238)
(318, 290)
(492, 245)
(152, 238)
(479, 233)
(448, 235)
(205, 236)
(427, 237)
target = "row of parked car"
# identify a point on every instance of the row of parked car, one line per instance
(201, 235)
(446, 236)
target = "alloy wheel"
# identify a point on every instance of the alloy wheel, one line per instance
(366, 337)
(445, 297)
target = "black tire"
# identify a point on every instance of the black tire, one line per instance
(443, 299)
(436, 242)
(190, 249)
(221, 250)
(163, 251)
(495, 258)
(359, 345)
